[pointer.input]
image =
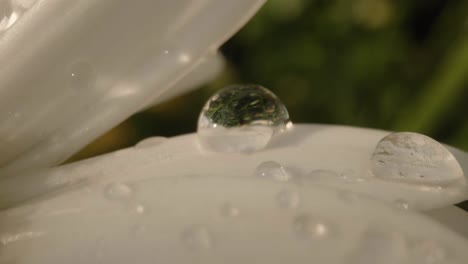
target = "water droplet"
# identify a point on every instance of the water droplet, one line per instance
(82, 75)
(414, 158)
(241, 118)
(380, 247)
(429, 252)
(308, 227)
(288, 199)
(197, 238)
(140, 209)
(8, 15)
(402, 204)
(118, 191)
(272, 170)
(228, 210)
(150, 142)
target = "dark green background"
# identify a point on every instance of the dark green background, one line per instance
(389, 64)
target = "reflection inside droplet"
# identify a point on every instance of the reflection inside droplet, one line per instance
(241, 118)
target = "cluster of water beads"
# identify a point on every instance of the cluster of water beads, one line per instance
(241, 118)
(414, 158)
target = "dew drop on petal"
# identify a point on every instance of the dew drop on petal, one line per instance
(82, 75)
(309, 227)
(272, 170)
(118, 191)
(415, 158)
(241, 119)
(402, 204)
(228, 210)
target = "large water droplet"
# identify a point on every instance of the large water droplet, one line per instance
(272, 170)
(414, 158)
(241, 118)
(197, 237)
(308, 227)
(118, 191)
(8, 15)
(288, 199)
(82, 75)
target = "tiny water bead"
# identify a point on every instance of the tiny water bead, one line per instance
(414, 158)
(401, 204)
(308, 227)
(228, 210)
(272, 170)
(197, 238)
(82, 75)
(118, 191)
(241, 118)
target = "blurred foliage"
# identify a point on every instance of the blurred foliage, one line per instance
(388, 64)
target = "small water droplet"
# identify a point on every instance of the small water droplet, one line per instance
(150, 142)
(288, 199)
(82, 75)
(118, 191)
(402, 204)
(272, 170)
(414, 158)
(308, 227)
(241, 118)
(140, 209)
(197, 238)
(228, 210)
(429, 252)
